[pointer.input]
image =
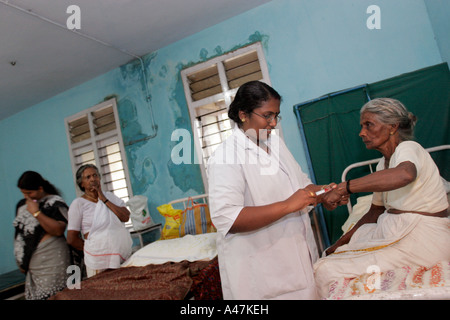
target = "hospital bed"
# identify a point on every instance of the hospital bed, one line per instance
(405, 283)
(173, 269)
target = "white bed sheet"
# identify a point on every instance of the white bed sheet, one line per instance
(190, 248)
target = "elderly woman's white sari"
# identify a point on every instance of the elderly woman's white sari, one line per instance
(396, 240)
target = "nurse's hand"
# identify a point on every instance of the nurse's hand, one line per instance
(303, 198)
(252, 218)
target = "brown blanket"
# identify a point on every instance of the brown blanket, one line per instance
(169, 281)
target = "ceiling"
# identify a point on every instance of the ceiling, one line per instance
(40, 57)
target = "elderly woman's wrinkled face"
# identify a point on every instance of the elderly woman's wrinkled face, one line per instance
(90, 178)
(374, 133)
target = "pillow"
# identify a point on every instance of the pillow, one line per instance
(189, 247)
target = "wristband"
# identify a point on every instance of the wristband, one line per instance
(347, 186)
(105, 201)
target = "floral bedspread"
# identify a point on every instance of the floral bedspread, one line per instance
(408, 282)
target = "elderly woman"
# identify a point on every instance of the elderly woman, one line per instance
(259, 200)
(407, 222)
(83, 211)
(39, 246)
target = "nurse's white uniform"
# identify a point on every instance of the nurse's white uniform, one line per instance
(274, 262)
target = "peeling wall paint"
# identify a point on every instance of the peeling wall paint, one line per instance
(149, 161)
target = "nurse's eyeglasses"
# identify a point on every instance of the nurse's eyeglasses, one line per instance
(269, 117)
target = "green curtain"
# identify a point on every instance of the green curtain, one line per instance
(330, 126)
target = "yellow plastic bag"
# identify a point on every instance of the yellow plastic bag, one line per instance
(173, 221)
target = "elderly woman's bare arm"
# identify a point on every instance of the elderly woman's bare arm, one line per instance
(370, 217)
(380, 181)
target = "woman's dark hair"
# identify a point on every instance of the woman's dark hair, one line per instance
(250, 96)
(79, 174)
(31, 180)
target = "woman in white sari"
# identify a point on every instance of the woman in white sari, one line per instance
(407, 223)
(96, 224)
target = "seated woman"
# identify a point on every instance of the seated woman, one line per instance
(407, 222)
(82, 220)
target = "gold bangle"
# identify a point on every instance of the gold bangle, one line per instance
(36, 213)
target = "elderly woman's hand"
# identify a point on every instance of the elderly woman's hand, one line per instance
(334, 198)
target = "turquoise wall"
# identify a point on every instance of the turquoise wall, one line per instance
(311, 47)
(438, 11)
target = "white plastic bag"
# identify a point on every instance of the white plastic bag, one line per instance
(109, 242)
(139, 214)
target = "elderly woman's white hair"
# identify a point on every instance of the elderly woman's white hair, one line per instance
(79, 174)
(392, 111)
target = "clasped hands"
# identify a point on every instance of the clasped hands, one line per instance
(330, 199)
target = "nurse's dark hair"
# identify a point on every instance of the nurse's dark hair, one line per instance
(31, 180)
(250, 96)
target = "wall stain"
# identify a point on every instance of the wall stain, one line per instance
(132, 131)
(130, 126)
(147, 175)
(188, 176)
(185, 176)
(143, 168)
(218, 51)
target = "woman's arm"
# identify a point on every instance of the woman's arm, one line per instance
(254, 218)
(380, 181)
(74, 239)
(50, 225)
(121, 212)
(370, 217)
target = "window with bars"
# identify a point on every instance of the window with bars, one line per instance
(95, 138)
(209, 89)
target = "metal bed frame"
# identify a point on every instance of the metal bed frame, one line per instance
(184, 201)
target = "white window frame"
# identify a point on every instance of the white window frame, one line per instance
(93, 142)
(225, 95)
